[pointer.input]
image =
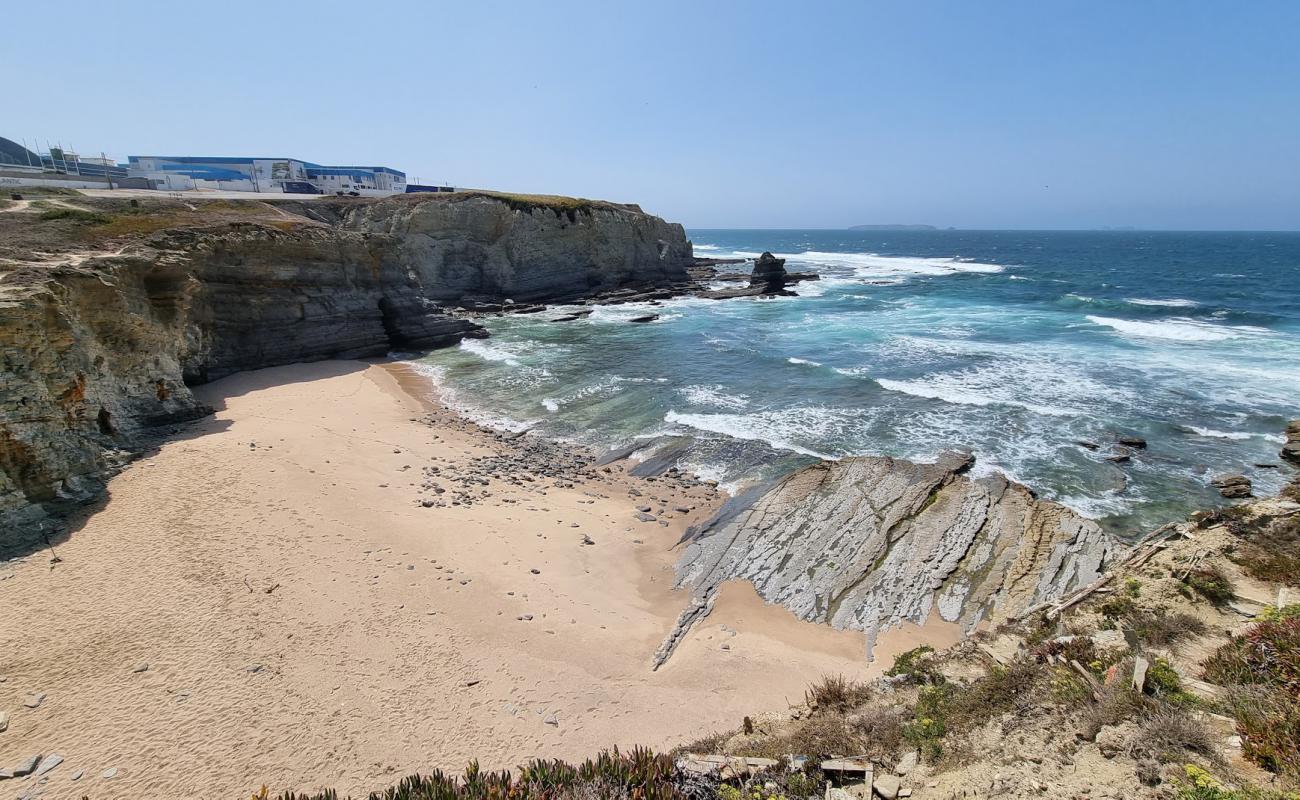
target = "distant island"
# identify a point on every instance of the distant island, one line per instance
(892, 228)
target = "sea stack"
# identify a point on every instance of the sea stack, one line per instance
(769, 274)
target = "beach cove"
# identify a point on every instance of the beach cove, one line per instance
(266, 599)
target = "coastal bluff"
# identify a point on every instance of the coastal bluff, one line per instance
(111, 309)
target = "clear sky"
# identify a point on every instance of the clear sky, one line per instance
(999, 114)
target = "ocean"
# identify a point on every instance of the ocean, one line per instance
(1020, 345)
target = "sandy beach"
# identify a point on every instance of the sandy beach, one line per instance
(266, 599)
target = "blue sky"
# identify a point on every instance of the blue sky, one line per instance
(715, 114)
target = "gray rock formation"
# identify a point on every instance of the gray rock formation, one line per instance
(482, 246)
(768, 274)
(1232, 486)
(1291, 449)
(96, 352)
(868, 543)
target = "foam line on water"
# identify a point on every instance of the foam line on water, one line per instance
(1177, 329)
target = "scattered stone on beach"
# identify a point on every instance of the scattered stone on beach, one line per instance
(48, 763)
(4, 721)
(27, 767)
(143, 666)
(587, 540)
(644, 517)
(1232, 486)
(34, 700)
(111, 772)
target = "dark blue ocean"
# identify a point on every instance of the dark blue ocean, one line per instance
(1018, 345)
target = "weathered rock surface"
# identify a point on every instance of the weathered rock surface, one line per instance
(480, 247)
(868, 543)
(1291, 448)
(97, 352)
(1232, 486)
(768, 273)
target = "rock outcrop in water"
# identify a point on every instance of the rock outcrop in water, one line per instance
(870, 542)
(99, 345)
(768, 274)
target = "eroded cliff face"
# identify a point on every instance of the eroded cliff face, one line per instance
(485, 248)
(868, 543)
(99, 346)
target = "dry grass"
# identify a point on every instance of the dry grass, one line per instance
(1170, 734)
(836, 694)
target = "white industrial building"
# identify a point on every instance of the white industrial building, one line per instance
(265, 175)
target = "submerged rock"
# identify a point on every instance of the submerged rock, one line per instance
(868, 543)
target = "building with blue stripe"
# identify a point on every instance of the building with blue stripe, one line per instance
(265, 174)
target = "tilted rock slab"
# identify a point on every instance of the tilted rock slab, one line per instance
(867, 543)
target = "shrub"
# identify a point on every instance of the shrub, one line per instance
(930, 720)
(1199, 784)
(74, 214)
(1271, 549)
(836, 693)
(1118, 607)
(1262, 669)
(639, 773)
(1211, 583)
(1119, 702)
(944, 708)
(1168, 733)
(881, 730)
(917, 665)
(1160, 628)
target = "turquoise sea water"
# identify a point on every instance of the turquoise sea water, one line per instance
(1015, 344)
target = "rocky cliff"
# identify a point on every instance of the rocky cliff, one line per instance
(527, 248)
(868, 543)
(109, 311)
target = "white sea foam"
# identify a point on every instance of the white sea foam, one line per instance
(1213, 434)
(715, 395)
(453, 400)
(804, 361)
(871, 265)
(489, 352)
(776, 429)
(940, 388)
(1178, 329)
(1173, 302)
(1043, 385)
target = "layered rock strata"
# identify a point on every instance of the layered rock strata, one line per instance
(867, 543)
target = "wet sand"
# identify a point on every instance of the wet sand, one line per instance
(308, 622)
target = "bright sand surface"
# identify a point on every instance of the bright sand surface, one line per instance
(307, 623)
